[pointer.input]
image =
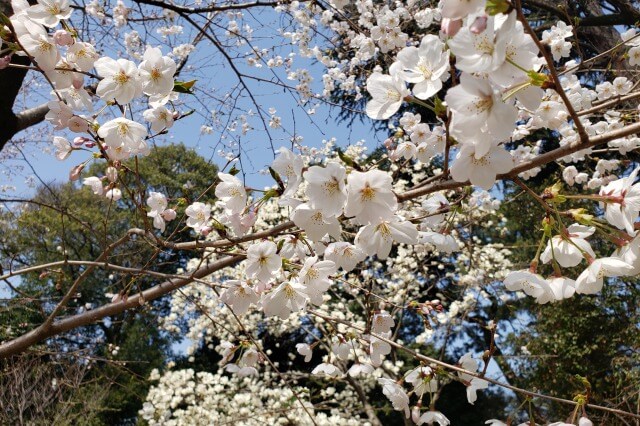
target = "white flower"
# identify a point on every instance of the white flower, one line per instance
(623, 209)
(430, 417)
(49, 12)
(344, 255)
(156, 72)
(341, 348)
(314, 223)
(475, 104)
(382, 323)
(474, 386)
(467, 362)
(378, 348)
(370, 196)
(63, 148)
(294, 246)
(159, 117)
(561, 287)
(82, 55)
(95, 183)
(304, 350)
(120, 80)
(231, 192)
(122, 132)
(458, 9)
(630, 254)
(423, 380)
(328, 369)
(425, 66)
(591, 279)
(42, 48)
(198, 215)
(442, 242)
(396, 395)
(387, 93)
(157, 202)
(263, 261)
(314, 275)
(286, 298)
(113, 194)
(479, 52)
(289, 165)
(568, 249)
(480, 170)
(435, 203)
(239, 295)
(378, 238)
(532, 284)
(59, 114)
(357, 369)
(326, 188)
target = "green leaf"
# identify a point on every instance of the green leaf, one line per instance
(184, 86)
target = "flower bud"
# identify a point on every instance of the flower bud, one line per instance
(169, 215)
(114, 194)
(74, 174)
(112, 173)
(479, 25)
(62, 38)
(205, 230)
(450, 27)
(78, 81)
(78, 141)
(5, 61)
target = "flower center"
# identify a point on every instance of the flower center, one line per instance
(121, 77)
(367, 194)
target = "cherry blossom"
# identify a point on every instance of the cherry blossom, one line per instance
(263, 261)
(156, 72)
(370, 196)
(198, 215)
(231, 192)
(120, 80)
(569, 250)
(591, 280)
(387, 93)
(239, 295)
(481, 170)
(326, 188)
(425, 66)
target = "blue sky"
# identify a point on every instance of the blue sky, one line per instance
(216, 80)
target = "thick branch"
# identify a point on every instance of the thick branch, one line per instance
(23, 342)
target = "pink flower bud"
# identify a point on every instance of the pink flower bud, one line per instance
(450, 27)
(78, 81)
(62, 38)
(205, 230)
(169, 215)
(112, 173)
(90, 144)
(74, 174)
(5, 61)
(479, 25)
(176, 115)
(388, 143)
(78, 141)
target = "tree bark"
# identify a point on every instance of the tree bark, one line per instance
(11, 80)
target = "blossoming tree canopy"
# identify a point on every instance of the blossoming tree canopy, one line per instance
(366, 272)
